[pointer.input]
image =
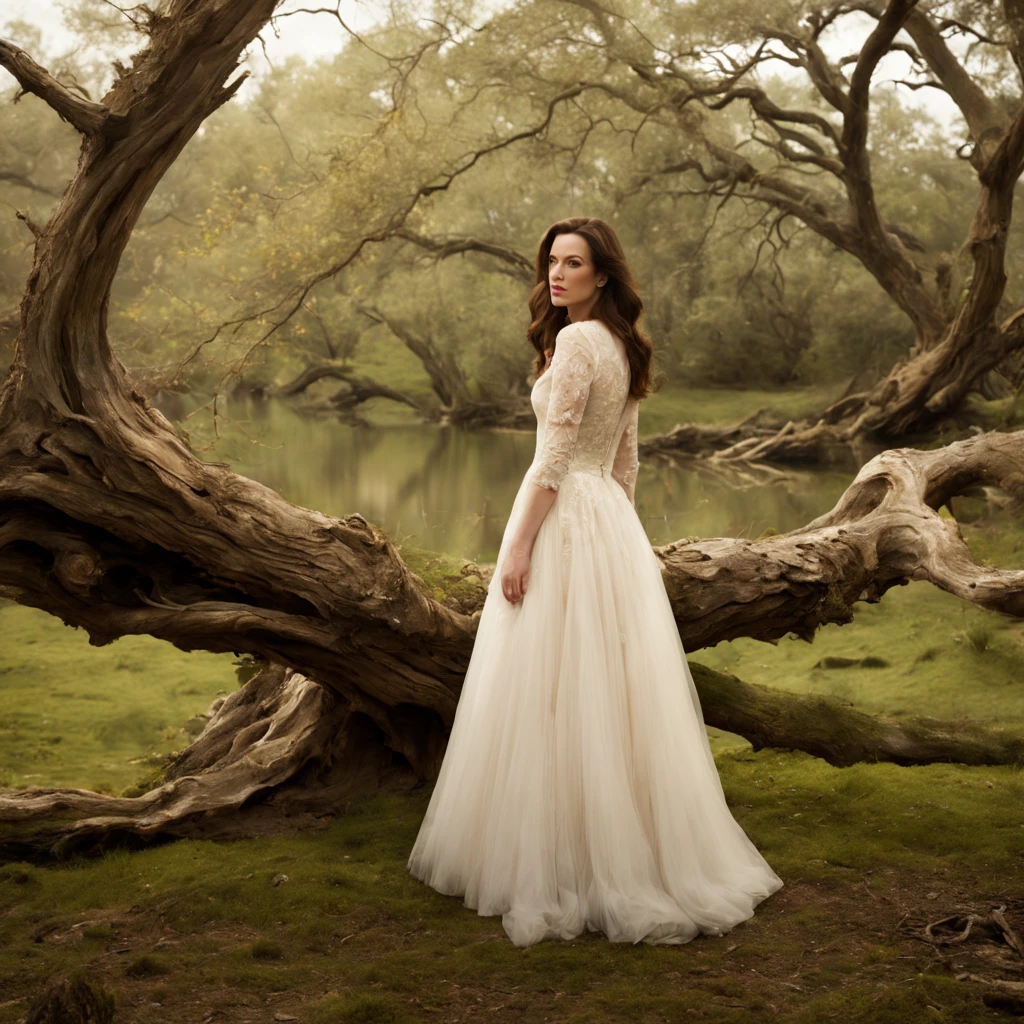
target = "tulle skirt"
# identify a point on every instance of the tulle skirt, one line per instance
(578, 790)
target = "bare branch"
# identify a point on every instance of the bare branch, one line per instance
(29, 222)
(769, 111)
(855, 124)
(828, 80)
(984, 119)
(88, 117)
(306, 168)
(442, 248)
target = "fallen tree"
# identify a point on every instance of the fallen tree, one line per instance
(358, 389)
(456, 403)
(110, 521)
(449, 383)
(284, 750)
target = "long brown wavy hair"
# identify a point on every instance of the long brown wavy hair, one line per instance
(618, 303)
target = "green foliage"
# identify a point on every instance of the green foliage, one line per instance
(979, 637)
(246, 666)
(361, 1009)
(300, 175)
(18, 873)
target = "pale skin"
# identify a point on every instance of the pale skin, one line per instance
(573, 282)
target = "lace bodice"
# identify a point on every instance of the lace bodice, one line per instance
(586, 419)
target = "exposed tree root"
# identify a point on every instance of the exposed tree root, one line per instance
(283, 751)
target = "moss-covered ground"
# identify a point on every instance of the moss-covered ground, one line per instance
(195, 931)
(199, 932)
(75, 715)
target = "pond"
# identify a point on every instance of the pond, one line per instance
(450, 490)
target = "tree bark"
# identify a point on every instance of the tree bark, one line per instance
(695, 439)
(277, 755)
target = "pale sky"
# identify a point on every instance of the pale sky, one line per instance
(312, 36)
(316, 36)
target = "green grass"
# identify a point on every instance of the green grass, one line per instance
(921, 650)
(351, 936)
(662, 410)
(98, 718)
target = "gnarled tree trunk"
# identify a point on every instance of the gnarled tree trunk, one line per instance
(957, 343)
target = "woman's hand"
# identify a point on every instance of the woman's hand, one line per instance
(516, 571)
(515, 574)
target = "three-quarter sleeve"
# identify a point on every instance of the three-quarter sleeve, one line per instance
(627, 460)
(572, 370)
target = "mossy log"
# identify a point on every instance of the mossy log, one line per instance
(841, 735)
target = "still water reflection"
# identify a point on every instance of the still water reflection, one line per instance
(450, 490)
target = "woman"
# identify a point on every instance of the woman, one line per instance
(578, 790)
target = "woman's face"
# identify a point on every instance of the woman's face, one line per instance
(572, 280)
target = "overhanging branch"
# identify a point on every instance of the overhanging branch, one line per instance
(88, 117)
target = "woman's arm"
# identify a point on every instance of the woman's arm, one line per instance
(515, 573)
(627, 460)
(572, 369)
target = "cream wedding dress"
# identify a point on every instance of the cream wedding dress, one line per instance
(578, 789)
